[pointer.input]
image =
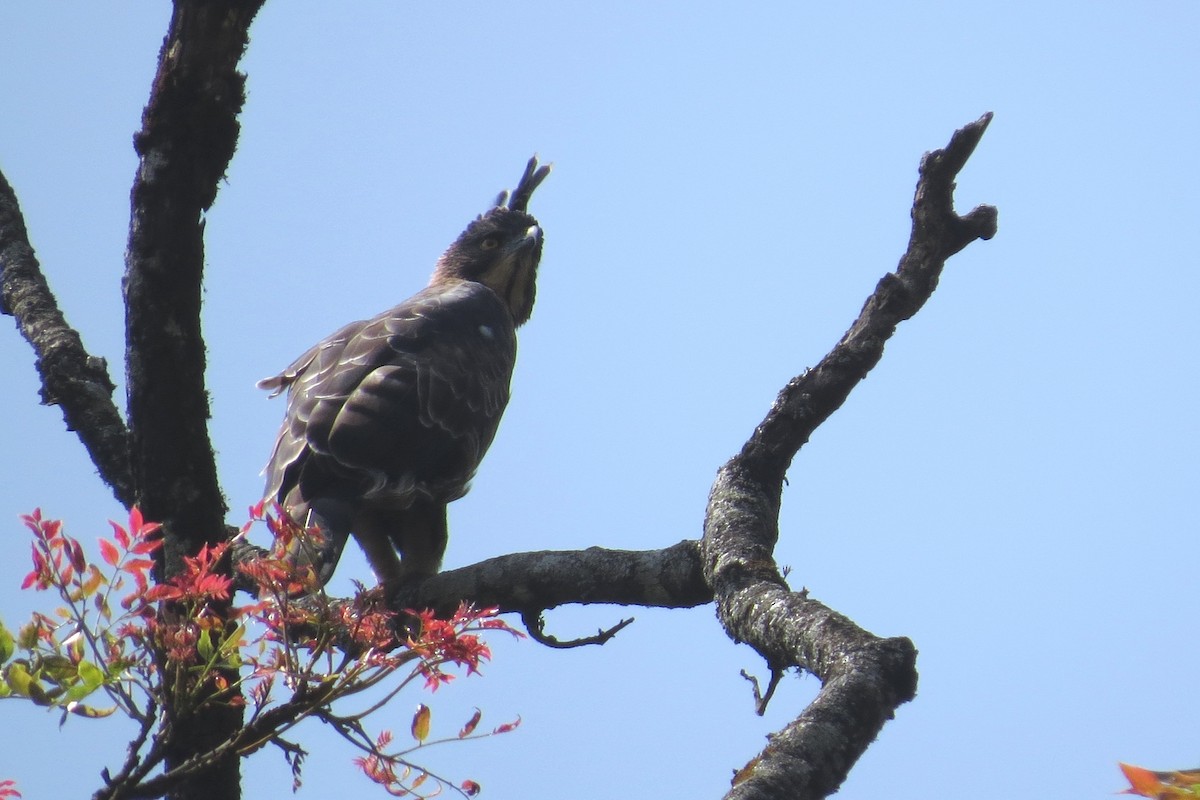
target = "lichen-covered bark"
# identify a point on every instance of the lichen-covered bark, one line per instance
(863, 678)
(532, 582)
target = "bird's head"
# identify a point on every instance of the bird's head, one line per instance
(501, 249)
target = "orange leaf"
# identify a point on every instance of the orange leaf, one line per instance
(1141, 781)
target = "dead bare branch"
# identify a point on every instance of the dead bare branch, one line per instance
(864, 678)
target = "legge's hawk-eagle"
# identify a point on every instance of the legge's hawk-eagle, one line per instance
(388, 418)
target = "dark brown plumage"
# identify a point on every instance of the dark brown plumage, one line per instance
(388, 418)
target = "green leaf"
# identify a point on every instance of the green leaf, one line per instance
(7, 643)
(27, 636)
(39, 695)
(204, 645)
(90, 678)
(231, 651)
(91, 675)
(18, 679)
(59, 669)
(420, 723)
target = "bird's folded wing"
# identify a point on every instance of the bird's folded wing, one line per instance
(406, 402)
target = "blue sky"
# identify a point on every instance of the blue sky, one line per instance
(1013, 487)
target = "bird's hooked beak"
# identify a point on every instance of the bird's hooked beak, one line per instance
(528, 244)
(515, 276)
(522, 254)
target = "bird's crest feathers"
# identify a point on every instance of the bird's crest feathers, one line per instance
(531, 180)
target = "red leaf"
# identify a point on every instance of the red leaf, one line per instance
(109, 552)
(471, 788)
(76, 553)
(121, 534)
(469, 728)
(145, 547)
(163, 591)
(508, 726)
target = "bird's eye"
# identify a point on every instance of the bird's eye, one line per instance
(490, 243)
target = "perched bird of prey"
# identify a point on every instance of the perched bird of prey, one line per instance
(388, 418)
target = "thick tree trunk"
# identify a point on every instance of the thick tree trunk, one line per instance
(189, 132)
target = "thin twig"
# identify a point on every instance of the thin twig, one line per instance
(535, 624)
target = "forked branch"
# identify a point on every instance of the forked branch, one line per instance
(864, 678)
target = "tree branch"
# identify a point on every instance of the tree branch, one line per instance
(863, 678)
(937, 234)
(75, 381)
(188, 136)
(535, 624)
(530, 583)
(189, 132)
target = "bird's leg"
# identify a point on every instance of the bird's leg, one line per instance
(421, 539)
(377, 545)
(332, 518)
(417, 532)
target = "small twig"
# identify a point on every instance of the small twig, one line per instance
(761, 700)
(535, 624)
(133, 757)
(294, 755)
